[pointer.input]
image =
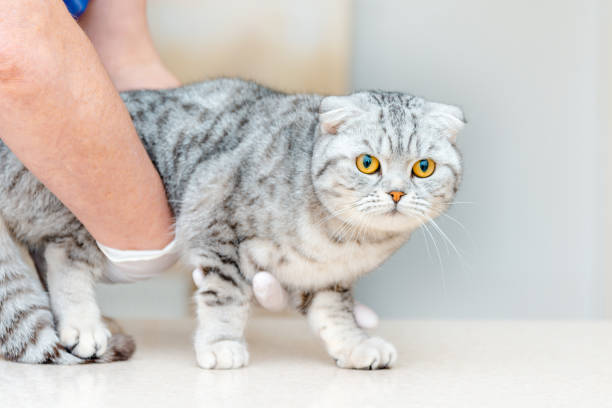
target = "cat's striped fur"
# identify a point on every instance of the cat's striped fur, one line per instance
(27, 330)
(258, 180)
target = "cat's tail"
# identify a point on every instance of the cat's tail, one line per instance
(27, 329)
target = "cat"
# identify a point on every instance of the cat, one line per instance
(316, 190)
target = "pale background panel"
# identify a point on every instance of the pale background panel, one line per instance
(298, 46)
(606, 109)
(528, 75)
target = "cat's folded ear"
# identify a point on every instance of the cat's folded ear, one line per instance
(446, 119)
(336, 111)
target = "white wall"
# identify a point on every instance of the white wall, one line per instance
(529, 77)
(606, 109)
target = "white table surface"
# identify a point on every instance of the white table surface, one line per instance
(441, 364)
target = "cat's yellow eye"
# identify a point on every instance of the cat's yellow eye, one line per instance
(424, 168)
(367, 164)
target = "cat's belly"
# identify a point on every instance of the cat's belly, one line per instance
(313, 266)
(33, 214)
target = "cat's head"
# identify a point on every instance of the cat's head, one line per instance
(386, 161)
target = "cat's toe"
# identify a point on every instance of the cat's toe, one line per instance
(85, 341)
(371, 354)
(225, 354)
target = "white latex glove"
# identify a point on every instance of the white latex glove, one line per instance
(272, 296)
(126, 266)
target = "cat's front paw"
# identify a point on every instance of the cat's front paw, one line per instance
(85, 339)
(222, 354)
(371, 354)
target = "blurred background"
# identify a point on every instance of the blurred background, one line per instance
(531, 233)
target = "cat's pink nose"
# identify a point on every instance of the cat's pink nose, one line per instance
(396, 195)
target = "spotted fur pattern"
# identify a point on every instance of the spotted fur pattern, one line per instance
(259, 181)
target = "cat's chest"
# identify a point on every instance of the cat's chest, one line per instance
(316, 263)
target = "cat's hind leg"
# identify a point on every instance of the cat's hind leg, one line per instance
(27, 332)
(70, 268)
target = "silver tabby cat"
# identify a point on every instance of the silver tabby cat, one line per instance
(315, 190)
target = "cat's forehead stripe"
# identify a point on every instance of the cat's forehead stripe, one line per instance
(398, 120)
(367, 143)
(413, 132)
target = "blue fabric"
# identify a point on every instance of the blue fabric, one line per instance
(76, 7)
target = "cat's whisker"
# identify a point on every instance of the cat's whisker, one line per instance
(428, 219)
(338, 212)
(412, 209)
(426, 244)
(373, 210)
(350, 230)
(359, 228)
(459, 203)
(433, 240)
(344, 226)
(468, 233)
(456, 221)
(356, 225)
(353, 231)
(362, 229)
(419, 201)
(353, 205)
(445, 236)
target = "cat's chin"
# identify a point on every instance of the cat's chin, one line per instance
(397, 221)
(391, 222)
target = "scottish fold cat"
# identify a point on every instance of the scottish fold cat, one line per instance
(315, 190)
